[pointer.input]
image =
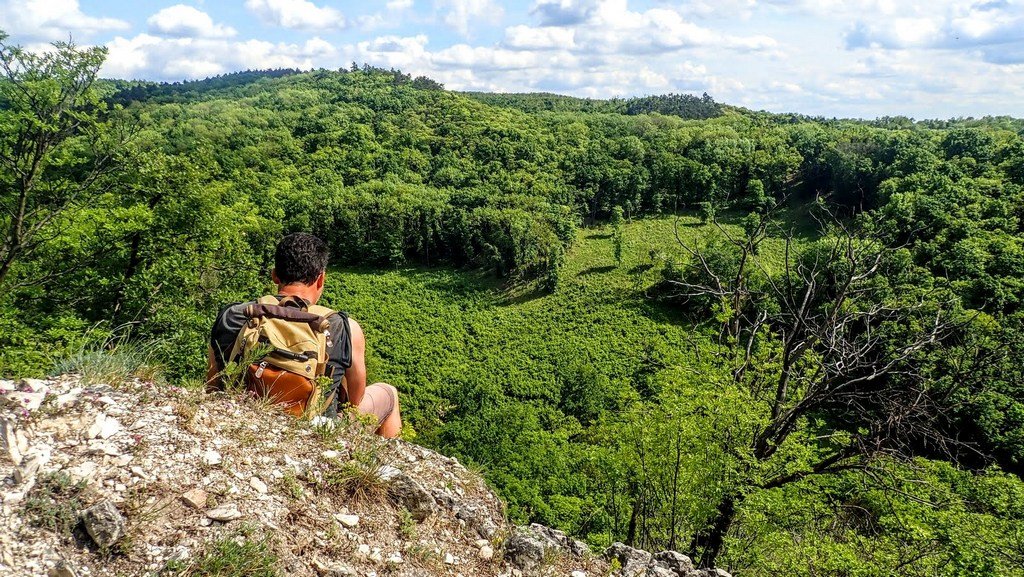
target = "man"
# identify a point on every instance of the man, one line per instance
(300, 269)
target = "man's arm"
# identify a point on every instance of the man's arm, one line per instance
(355, 374)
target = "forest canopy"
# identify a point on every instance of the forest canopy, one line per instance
(802, 346)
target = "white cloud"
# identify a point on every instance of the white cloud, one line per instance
(542, 38)
(397, 5)
(44, 20)
(460, 14)
(298, 14)
(170, 59)
(185, 21)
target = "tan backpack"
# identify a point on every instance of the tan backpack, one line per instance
(299, 342)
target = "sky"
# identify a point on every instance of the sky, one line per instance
(845, 58)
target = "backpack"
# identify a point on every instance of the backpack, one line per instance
(299, 342)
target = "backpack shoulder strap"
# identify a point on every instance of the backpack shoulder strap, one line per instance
(321, 310)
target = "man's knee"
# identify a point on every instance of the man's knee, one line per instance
(390, 388)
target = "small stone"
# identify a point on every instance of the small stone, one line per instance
(363, 550)
(330, 454)
(139, 472)
(487, 553)
(97, 426)
(68, 398)
(62, 569)
(395, 558)
(449, 559)
(110, 428)
(578, 574)
(481, 543)
(120, 487)
(349, 521)
(104, 523)
(195, 498)
(376, 555)
(225, 513)
(211, 458)
(106, 400)
(258, 485)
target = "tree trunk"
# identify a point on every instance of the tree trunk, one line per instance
(707, 544)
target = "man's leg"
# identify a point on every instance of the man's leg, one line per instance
(392, 425)
(381, 400)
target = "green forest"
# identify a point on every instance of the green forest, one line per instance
(783, 345)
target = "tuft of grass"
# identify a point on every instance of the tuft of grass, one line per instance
(359, 477)
(114, 362)
(243, 554)
(292, 486)
(54, 503)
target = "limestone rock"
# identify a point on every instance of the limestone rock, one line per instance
(225, 513)
(195, 498)
(560, 540)
(411, 495)
(674, 561)
(486, 553)
(104, 523)
(634, 562)
(211, 458)
(31, 463)
(26, 400)
(258, 484)
(35, 385)
(525, 549)
(349, 521)
(62, 569)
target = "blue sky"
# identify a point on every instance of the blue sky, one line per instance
(863, 58)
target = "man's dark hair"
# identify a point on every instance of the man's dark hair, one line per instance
(300, 257)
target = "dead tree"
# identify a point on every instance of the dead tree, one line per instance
(844, 346)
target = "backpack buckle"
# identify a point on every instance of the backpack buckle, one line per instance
(259, 370)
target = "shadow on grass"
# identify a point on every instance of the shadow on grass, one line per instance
(596, 270)
(599, 236)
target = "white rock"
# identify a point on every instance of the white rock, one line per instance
(487, 553)
(330, 454)
(29, 401)
(227, 512)
(387, 472)
(83, 471)
(106, 400)
(9, 438)
(376, 556)
(395, 558)
(258, 485)
(211, 458)
(449, 559)
(31, 463)
(97, 426)
(363, 550)
(68, 397)
(578, 574)
(481, 543)
(36, 385)
(6, 386)
(349, 521)
(110, 427)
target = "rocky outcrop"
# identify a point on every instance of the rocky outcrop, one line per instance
(638, 563)
(135, 478)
